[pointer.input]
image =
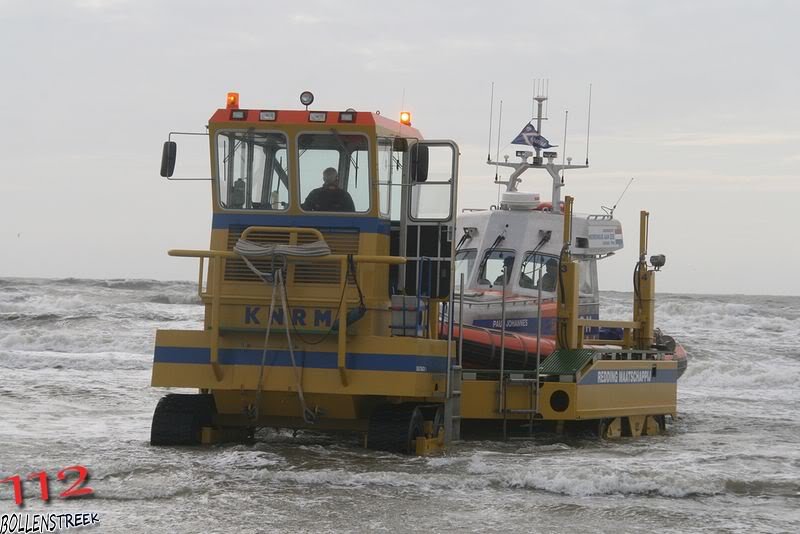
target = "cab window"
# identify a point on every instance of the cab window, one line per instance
(334, 172)
(390, 176)
(252, 170)
(430, 200)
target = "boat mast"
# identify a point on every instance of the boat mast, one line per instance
(552, 168)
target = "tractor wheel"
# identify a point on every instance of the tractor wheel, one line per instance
(179, 419)
(395, 428)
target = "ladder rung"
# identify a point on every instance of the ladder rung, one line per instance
(520, 411)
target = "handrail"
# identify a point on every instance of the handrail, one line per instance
(330, 258)
(283, 230)
(215, 265)
(609, 324)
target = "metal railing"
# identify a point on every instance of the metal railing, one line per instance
(214, 288)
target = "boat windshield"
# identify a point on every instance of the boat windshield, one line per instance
(465, 260)
(491, 270)
(536, 268)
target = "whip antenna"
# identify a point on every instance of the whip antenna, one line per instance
(588, 124)
(491, 109)
(497, 158)
(610, 211)
(546, 92)
(564, 148)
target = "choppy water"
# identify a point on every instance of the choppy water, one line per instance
(75, 363)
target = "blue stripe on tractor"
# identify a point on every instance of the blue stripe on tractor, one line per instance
(310, 360)
(364, 224)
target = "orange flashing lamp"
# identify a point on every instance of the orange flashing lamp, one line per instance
(233, 101)
(405, 118)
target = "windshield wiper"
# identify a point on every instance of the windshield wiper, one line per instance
(499, 239)
(535, 251)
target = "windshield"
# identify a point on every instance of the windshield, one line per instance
(252, 170)
(536, 268)
(491, 270)
(334, 172)
(465, 260)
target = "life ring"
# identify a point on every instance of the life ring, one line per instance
(548, 206)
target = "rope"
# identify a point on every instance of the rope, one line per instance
(250, 249)
(264, 353)
(308, 415)
(278, 253)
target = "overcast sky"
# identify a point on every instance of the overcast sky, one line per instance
(696, 100)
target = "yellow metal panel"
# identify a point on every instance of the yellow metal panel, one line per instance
(479, 399)
(241, 377)
(420, 383)
(626, 399)
(546, 393)
(586, 401)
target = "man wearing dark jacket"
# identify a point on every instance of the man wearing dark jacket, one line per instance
(329, 197)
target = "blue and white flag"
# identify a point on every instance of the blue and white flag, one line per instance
(529, 136)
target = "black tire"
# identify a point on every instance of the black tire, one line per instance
(179, 418)
(395, 428)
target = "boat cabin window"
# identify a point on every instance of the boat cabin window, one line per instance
(465, 260)
(536, 267)
(334, 172)
(252, 170)
(491, 269)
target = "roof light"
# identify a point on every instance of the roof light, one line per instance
(238, 114)
(233, 101)
(405, 118)
(347, 116)
(267, 115)
(317, 116)
(306, 98)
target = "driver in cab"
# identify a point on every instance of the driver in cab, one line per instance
(329, 197)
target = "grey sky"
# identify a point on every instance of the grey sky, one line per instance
(696, 100)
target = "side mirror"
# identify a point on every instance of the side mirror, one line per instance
(419, 163)
(168, 158)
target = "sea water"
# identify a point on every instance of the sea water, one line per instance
(75, 359)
